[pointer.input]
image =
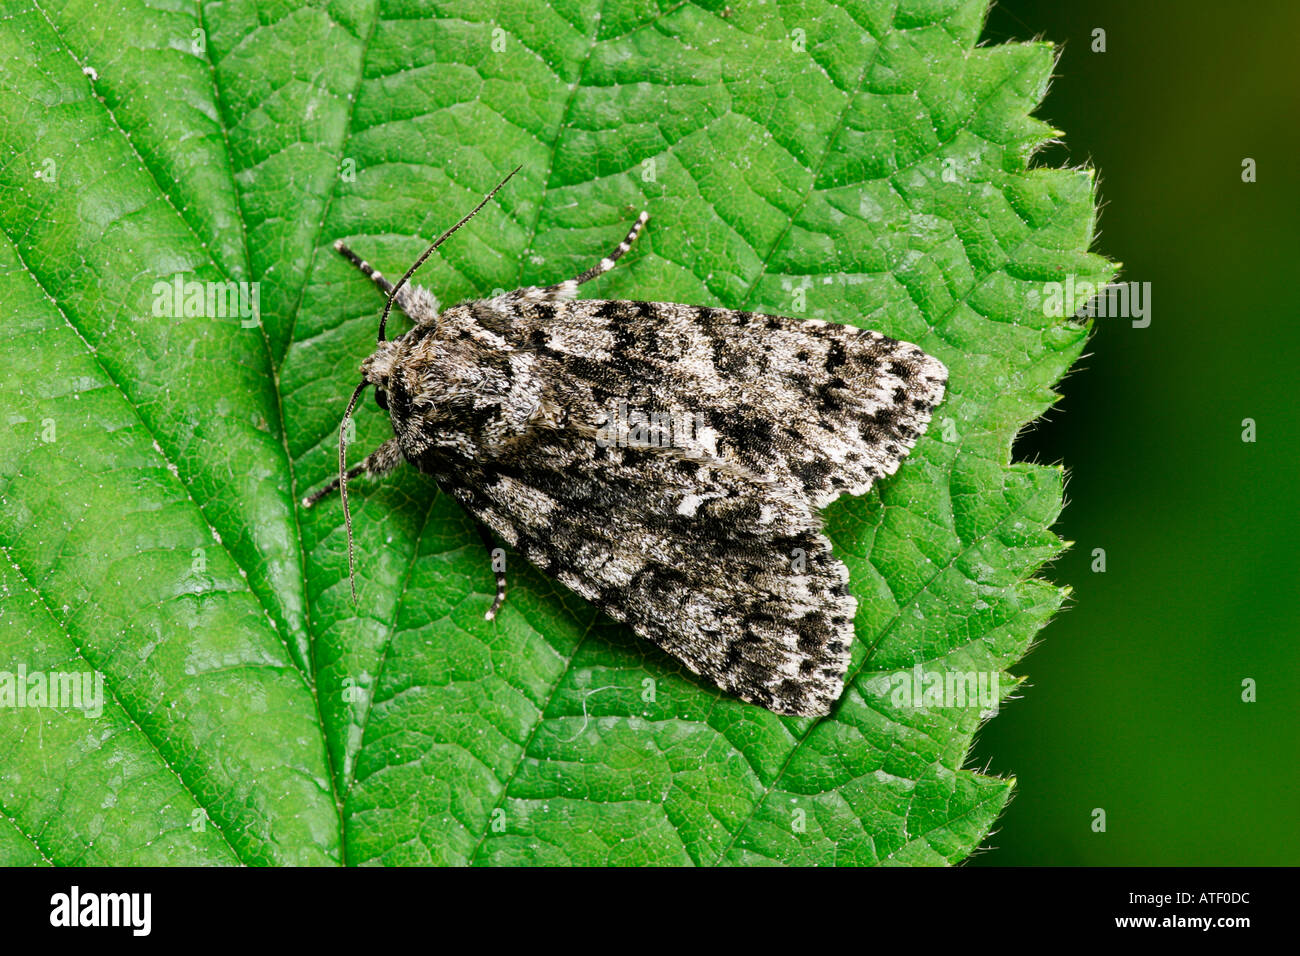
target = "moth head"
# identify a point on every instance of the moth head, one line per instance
(377, 370)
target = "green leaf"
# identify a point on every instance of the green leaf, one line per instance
(867, 161)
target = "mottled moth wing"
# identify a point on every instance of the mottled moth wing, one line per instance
(812, 406)
(743, 590)
(705, 539)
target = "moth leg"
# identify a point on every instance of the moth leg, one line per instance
(370, 271)
(378, 463)
(565, 289)
(416, 301)
(499, 572)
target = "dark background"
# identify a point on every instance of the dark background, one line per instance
(1134, 701)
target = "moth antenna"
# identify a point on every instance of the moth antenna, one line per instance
(343, 481)
(388, 306)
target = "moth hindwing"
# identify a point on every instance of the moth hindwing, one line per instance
(666, 462)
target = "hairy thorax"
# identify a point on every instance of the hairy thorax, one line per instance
(456, 388)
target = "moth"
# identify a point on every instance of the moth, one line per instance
(666, 462)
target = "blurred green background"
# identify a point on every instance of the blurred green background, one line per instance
(1134, 697)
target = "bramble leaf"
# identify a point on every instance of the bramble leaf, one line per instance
(862, 162)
